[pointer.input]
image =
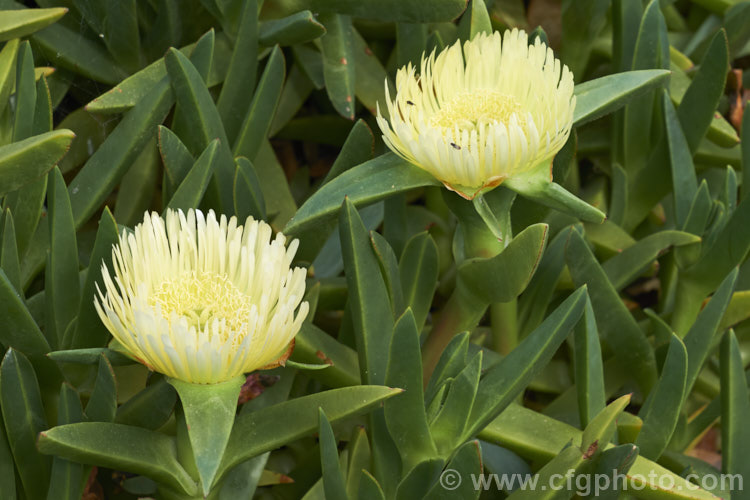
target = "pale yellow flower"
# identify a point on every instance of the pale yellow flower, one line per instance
(203, 300)
(477, 116)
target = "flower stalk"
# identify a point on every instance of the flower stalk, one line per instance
(209, 412)
(504, 326)
(490, 111)
(484, 235)
(203, 301)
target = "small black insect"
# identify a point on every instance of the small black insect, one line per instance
(410, 103)
(455, 146)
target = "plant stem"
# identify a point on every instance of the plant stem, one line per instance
(484, 236)
(457, 316)
(504, 321)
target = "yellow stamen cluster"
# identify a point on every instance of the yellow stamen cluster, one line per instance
(474, 110)
(199, 298)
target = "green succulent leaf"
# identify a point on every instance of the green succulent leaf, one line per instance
(21, 331)
(569, 459)
(338, 63)
(191, 190)
(7, 71)
(735, 408)
(412, 11)
(23, 120)
(697, 105)
(372, 315)
(367, 183)
(248, 194)
(176, 158)
(257, 122)
(209, 414)
(616, 325)
(369, 488)
(462, 307)
(102, 404)
(651, 50)
(21, 23)
(121, 447)
(67, 478)
(475, 20)
(150, 408)
(370, 75)
(662, 407)
(627, 265)
(24, 418)
(91, 356)
(466, 461)
(418, 272)
(533, 303)
(611, 463)
(194, 100)
(263, 430)
(417, 482)
(9, 251)
(109, 163)
(25, 161)
(589, 371)
(63, 295)
(89, 331)
(235, 98)
(313, 345)
(333, 477)
(745, 190)
(358, 149)
(121, 33)
(66, 48)
(601, 96)
(601, 429)
(138, 180)
(451, 362)
(359, 460)
(539, 437)
(503, 382)
(297, 28)
(578, 40)
(516, 264)
(700, 339)
(684, 181)
(453, 417)
(389, 269)
(537, 185)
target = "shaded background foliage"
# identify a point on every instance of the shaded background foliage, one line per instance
(266, 109)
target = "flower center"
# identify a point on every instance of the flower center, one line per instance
(201, 298)
(471, 110)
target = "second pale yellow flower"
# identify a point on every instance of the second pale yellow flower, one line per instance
(480, 113)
